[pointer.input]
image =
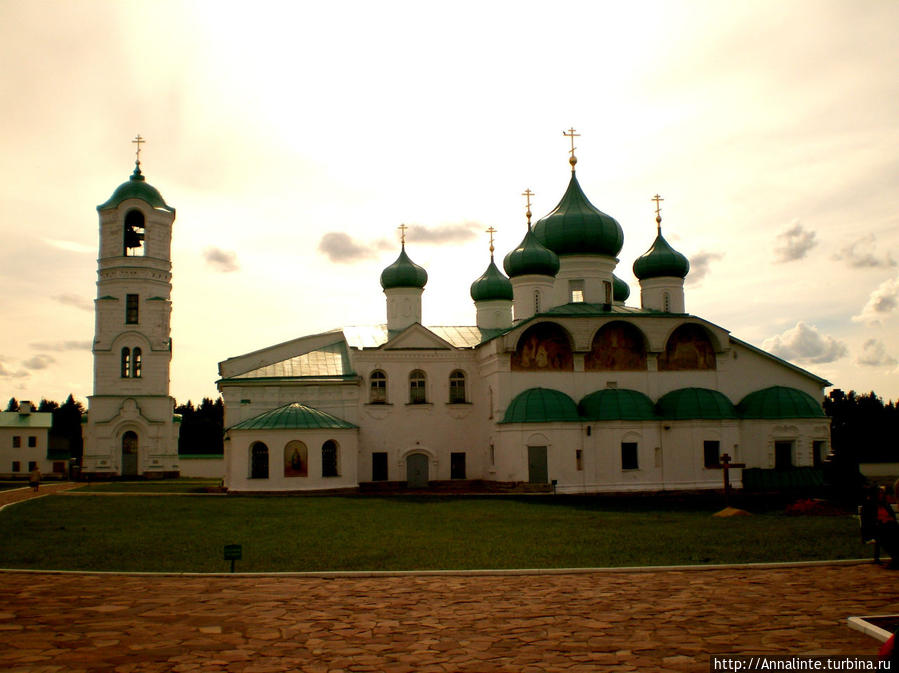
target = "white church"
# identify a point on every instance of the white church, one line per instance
(559, 381)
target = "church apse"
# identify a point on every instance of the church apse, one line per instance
(543, 347)
(617, 346)
(688, 347)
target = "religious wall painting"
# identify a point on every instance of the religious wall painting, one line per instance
(688, 347)
(543, 347)
(618, 346)
(296, 459)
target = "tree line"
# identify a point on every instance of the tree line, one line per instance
(202, 427)
(862, 427)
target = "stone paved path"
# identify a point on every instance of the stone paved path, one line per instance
(602, 621)
(15, 495)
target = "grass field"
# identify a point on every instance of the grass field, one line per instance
(176, 533)
(152, 486)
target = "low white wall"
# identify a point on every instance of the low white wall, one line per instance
(204, 467)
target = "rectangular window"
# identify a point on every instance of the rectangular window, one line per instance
(629, 456)
(457, 465)
(783, 455)
(379, 466)
(32, 441)
(16, 466)
(16, 441)
(711, 451)
(131, 309)
(575, 291)
(607, 289)
(579, 459)
(819, 452)
(32, 465)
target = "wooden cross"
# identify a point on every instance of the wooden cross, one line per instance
(137, 141)
(402, 229)
(571, 134)
(725, 466)
(491, 231)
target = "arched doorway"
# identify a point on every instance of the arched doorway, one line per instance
(417, 470)
(259, 461)
(129, 454)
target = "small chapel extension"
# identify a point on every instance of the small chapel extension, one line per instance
(558, 381)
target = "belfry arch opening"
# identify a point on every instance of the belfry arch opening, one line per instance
(133, 238)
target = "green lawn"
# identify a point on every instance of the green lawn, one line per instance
(152, 486)
(174, 533)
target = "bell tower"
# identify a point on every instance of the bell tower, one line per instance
(131, 429)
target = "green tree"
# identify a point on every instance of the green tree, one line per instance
(13, 404)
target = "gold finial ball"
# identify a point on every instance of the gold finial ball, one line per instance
(658, 219)
(572, 160)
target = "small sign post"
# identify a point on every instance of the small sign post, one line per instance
(725, 466)
(233, 552)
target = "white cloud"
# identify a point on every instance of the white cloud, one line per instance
(59, 346)
(874, 354)
(342, 248)
(6, 373)
(71, 246)
(804, 343)
(222, 260)
(862, 254)
(881, 303)
(795, 243)
(39, 361)
(74, 300)
(699, 265)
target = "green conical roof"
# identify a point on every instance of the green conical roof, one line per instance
(294, 416)
(620, 289)
(689, 403)
(661, 260)
(491, 285)
(577, 227)
(541, 405)
(403, 273)
(136, 188)
(531, 257)
(779, 402)
(616, 404)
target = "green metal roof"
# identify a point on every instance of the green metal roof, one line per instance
(491, 285)
(616, 404)
(541, 405)
(36, 419)
(695, 403)
(661, 260)
(464, 336)
(531, 257)
(294, 416)
(403, 273)
(620, 289)
(332, 360)
(577, 227)
(136, 188)
(779, 402)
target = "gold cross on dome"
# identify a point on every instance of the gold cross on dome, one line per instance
(137, 141)
(571, 134)
(402, 229)
(658, 199)
(491, 231)
(527, 193)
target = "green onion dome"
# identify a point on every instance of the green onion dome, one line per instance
(616, 404)
(689, 403)
(403, 273)
(661, 260)
(577, 227)
(491, 285)
(136, 188)
(531, 257)
(779, 402)
(541, 405)
(620, 289)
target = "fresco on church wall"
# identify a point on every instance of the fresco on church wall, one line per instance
(618, 346)
(543, 347)
(296, 460)
(688, 347)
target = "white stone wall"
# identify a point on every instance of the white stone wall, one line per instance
(24, 453)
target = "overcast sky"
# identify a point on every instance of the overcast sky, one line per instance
(294, 138)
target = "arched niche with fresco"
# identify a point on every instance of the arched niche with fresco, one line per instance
(688, 347)
(543, 347)
(617, 346)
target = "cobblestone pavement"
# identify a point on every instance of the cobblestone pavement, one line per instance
(600, 621)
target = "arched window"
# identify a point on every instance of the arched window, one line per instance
(296, 459)
(136, 363)
(329, 459)
(457, 387)
(126, 363)
(417, 382)
(258, 461)
(377, 387)
(134, 233)
(617, 346)
(544, 346)
(688, 347)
